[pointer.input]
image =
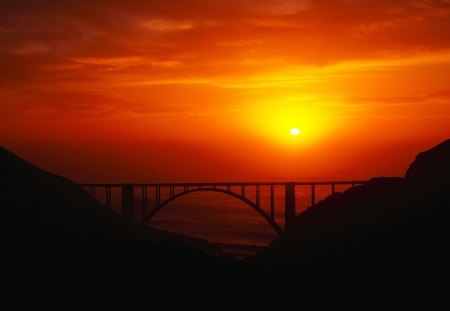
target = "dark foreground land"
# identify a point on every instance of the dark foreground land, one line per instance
(384, 244)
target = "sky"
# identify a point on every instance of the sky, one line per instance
(200, 90)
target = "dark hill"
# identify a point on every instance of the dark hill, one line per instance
(431, 167)
(60, 248)
(37, 203)
(383, 242)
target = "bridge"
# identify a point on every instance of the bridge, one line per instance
(238, 190)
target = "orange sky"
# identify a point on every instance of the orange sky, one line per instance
(200, 90)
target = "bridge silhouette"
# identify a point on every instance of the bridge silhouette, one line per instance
(238, 190)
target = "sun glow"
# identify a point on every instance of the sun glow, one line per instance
(294, 131)
(310, 117)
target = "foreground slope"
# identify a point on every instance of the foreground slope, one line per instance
(37, 203)
(384, 241)
(61, 248)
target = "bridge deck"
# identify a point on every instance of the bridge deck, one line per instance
(176, 190)
(224, 184)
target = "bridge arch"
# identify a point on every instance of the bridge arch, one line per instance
(258, 209)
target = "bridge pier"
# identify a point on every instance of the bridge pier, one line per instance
(289, 207)
(237, 190)
(127, 206)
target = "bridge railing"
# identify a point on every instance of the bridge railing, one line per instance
(163, 193)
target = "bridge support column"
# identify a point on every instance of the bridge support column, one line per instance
(289, 207)
(127, 207)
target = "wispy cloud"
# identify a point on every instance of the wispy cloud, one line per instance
(100, 46)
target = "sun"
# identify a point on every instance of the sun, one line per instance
(294, 131)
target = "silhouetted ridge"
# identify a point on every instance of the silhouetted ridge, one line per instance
(61, 248)
(379, 245)
(432, 166)
(41, 204)
(386, 240)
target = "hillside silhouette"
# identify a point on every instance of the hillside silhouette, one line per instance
(380, 244)
(41, 204)
(62, 248)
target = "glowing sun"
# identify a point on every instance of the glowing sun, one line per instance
(294, 131)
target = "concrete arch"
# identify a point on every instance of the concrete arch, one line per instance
(260, 211)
